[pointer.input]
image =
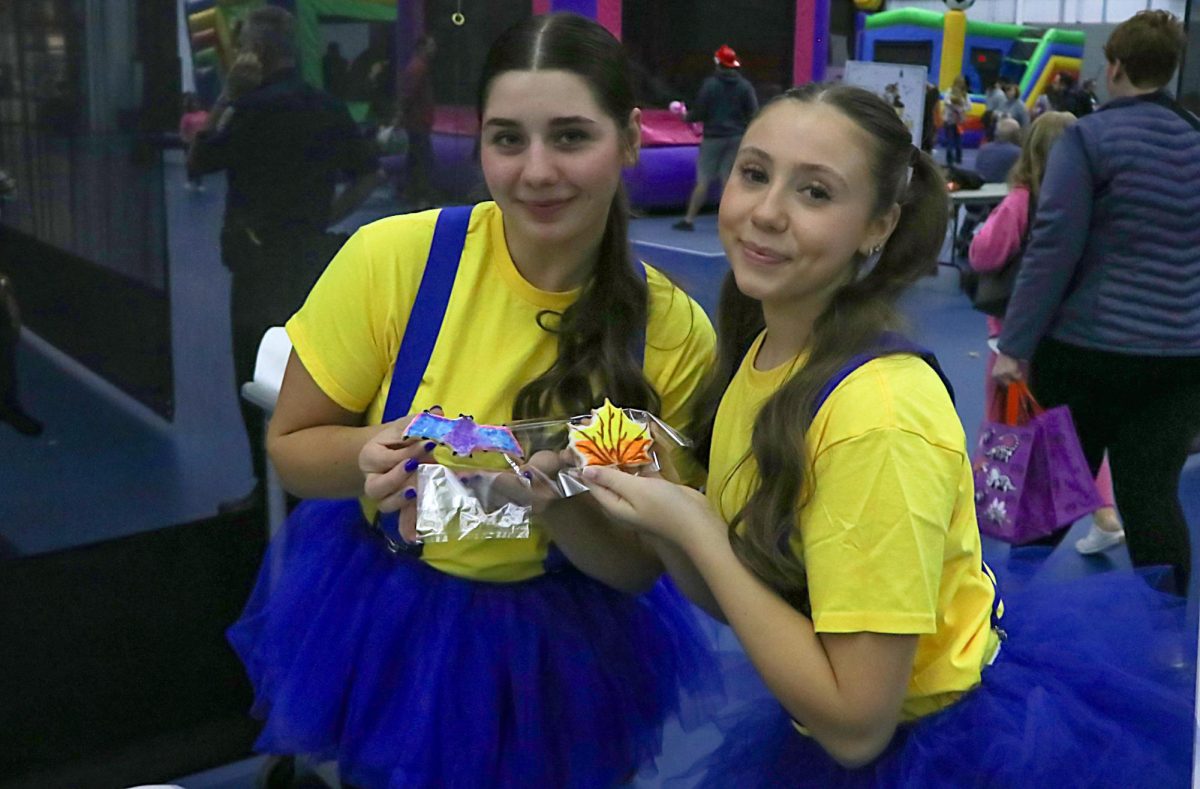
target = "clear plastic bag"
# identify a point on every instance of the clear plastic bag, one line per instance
(460, 503)
(552, 435)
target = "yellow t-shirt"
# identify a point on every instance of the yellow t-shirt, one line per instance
(888, 537)
(348, 332)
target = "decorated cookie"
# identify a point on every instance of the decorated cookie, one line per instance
(610, 437)
(463, 436)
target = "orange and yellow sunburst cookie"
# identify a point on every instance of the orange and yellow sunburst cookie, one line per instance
(610, 437)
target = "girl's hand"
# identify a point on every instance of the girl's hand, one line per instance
(389, 463)
(656, 507)
(535, 486)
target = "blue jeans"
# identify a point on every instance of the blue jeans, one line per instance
(953, 144)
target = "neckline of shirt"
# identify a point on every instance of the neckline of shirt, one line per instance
(775, 376)
(502, 260)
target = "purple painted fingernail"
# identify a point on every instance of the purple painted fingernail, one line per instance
(410, 493)
(411, 464)
(527, 475)
(429, 445)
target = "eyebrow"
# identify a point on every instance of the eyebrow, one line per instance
(806, 166)
(571, 120)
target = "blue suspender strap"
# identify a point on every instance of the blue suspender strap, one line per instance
(424, 324)
(428, 310)
(997, 603)
(639, 338)
(889, 343)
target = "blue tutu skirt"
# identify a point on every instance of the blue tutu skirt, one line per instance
(409, 677)
(1094, 686)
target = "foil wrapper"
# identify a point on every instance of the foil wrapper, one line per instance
(470, 505)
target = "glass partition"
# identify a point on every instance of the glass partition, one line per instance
(86, 88)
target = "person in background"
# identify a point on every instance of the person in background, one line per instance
(381, 93)
(335, 71)
(1088, 100)
(993, 247)
(954, 113)
(995, 98)
(992, 163)
(929, 128)
(995, 159)
(284, 146)
(1106, 308)
(1041, 106)
(11, 410)
(1012, 106)
(417, 108)
(725, 104)
(1053, 96)
(194, 118)
(1073, 98)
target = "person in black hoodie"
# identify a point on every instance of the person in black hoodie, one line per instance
(284, 146)
(725, 105)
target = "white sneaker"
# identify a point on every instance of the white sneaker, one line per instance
(1098, 540)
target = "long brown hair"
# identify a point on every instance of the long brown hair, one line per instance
(854, 319)
(597, 333)
(1030, 168)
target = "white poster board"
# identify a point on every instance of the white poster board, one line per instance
(901, 86)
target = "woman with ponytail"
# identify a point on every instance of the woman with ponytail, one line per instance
(491, 663)
(838, 536)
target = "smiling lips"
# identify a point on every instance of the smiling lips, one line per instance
(545, 210)
(764, 255)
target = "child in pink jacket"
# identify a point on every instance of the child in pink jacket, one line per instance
(194, 118)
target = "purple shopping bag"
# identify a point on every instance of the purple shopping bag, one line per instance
(1031, 477)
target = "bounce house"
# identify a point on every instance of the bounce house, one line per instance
(949, 44)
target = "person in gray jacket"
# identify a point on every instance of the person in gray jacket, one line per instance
(725, 105)
(1106, 307)
(1012, 106)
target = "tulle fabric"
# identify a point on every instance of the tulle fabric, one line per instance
(409, 677)
(1093, 687)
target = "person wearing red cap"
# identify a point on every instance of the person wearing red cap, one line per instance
(725, 105)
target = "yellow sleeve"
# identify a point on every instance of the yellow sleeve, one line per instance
(680, 348)
(347, 333)
(888, 456)
(874, 531)
(680, 352)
